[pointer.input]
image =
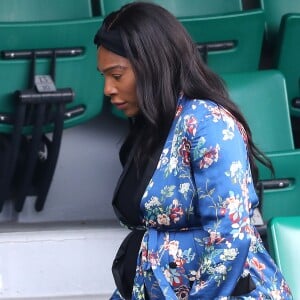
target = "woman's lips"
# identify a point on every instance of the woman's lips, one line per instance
(120, 105)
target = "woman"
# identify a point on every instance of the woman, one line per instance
(187, 187)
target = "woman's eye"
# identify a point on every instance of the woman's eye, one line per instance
(116, 76)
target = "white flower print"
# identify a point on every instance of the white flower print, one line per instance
(229, 120)
(227, 135)
(154, 201)
(235, 171)
(233, 203)
(229, 254)
(163, 158)
(168, 275)
(163, 219)
(221, 269)
(236, 166)
(184, 188)
(173, 163)
(175, 202)
(173, 248)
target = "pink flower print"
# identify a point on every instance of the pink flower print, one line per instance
(180, 262)
(284, 287)
(153, 258)
(163, 219)
(191, 124)
(210, 156)
(215, 238)
(176, 213)
(247, 228)
(223, 211)
(173, 277)
(242, 131)
(184, 151)
(166, 242)
(233, 204)
(257, 265)
(216, 112)
(178, 111)
(177, 279)
(234, 217)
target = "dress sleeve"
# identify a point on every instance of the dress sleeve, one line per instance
(222, 178)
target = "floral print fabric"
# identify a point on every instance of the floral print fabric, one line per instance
(197, 208)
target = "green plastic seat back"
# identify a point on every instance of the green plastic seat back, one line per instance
(262, 97)
(78, 72)
(244, 30)
(182, 8)
(275, 10)
(284, 243)
(108, 6)
(45, 10)
(288, 61)
(283, 200)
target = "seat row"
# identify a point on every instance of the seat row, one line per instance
(66, 46)
(230, 39)
(33, 10)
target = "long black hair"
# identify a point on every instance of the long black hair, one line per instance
(166, 62)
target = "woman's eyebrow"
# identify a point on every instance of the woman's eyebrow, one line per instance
(111, 68)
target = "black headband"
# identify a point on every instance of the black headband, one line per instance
(110, 39)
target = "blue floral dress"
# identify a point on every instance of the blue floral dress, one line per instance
(196, 208)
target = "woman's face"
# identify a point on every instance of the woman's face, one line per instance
(120, 83)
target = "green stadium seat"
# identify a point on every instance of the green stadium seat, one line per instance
(108, 6)
(284, 244)
(262, 97)
(50, 82)
(77, 71)
(263, 93)
(275, 10)
(230, 42)
(287, 59)
(180, 8)
(45, 10)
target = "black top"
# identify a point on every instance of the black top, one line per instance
(127, 200)
(129, 191)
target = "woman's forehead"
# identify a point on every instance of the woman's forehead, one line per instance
(108, 60)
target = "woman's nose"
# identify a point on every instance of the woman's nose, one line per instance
(109, 89)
